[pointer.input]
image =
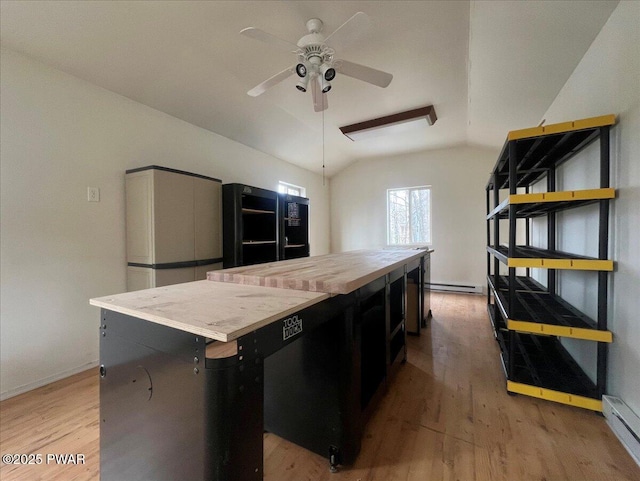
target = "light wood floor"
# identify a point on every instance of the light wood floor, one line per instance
(446, 416)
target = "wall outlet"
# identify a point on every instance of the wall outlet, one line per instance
(93, 194)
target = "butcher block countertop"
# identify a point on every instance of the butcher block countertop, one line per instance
(210, 309)
(332, 273)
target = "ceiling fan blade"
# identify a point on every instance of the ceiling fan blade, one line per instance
(361, 72)
(272, 40)
(320, 100)
(270, 82)
(349, 30)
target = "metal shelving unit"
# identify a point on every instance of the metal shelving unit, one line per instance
(528, 318)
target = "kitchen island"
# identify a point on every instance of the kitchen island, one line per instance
(192, 374)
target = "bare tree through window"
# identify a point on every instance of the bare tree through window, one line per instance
(409, 216)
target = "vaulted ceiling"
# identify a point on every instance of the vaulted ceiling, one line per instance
(487, 66)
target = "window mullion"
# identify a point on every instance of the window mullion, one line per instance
(409, 222)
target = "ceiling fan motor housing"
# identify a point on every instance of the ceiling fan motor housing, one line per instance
(316, 58)
(314, 25)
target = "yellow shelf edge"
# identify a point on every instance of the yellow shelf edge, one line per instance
(568, 264)
(561, 331)
(588, 123)
(570, 195)
(555, 396)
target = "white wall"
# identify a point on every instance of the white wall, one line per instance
(458, 177)
(59, 135)
(607, 80)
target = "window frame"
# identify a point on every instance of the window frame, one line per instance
(429, 242)
(283, 188)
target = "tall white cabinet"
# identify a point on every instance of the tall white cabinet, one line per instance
(174, 226)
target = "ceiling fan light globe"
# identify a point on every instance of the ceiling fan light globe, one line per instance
(301, 70)
(325, 86)
(329, 73)
(302, 84)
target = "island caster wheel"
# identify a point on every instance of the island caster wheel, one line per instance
(333, 459)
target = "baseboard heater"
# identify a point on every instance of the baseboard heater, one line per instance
(624, 423)
(436, 286)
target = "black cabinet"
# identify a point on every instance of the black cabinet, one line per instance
(250, 225)
(293, 213)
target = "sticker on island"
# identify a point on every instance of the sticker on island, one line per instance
(291, 326)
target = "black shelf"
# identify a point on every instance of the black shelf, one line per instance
(247, 211)
(250, 225)
(543, 362)
(528, 252)
(527, 256)
(523, 283)
(540, 151)
(537, 311)
(528, 206)
(504, 351)
(496, 319)
(543, 308)
(526, 211)
(293, 213)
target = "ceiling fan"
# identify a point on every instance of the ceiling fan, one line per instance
(316, 63)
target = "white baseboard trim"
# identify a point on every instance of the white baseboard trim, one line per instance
(47, 380)
(455, 287)
(624, 423)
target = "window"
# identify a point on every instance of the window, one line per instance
(409, 216)
(286, 188)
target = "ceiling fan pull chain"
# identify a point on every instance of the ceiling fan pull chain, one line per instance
(323, 148)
